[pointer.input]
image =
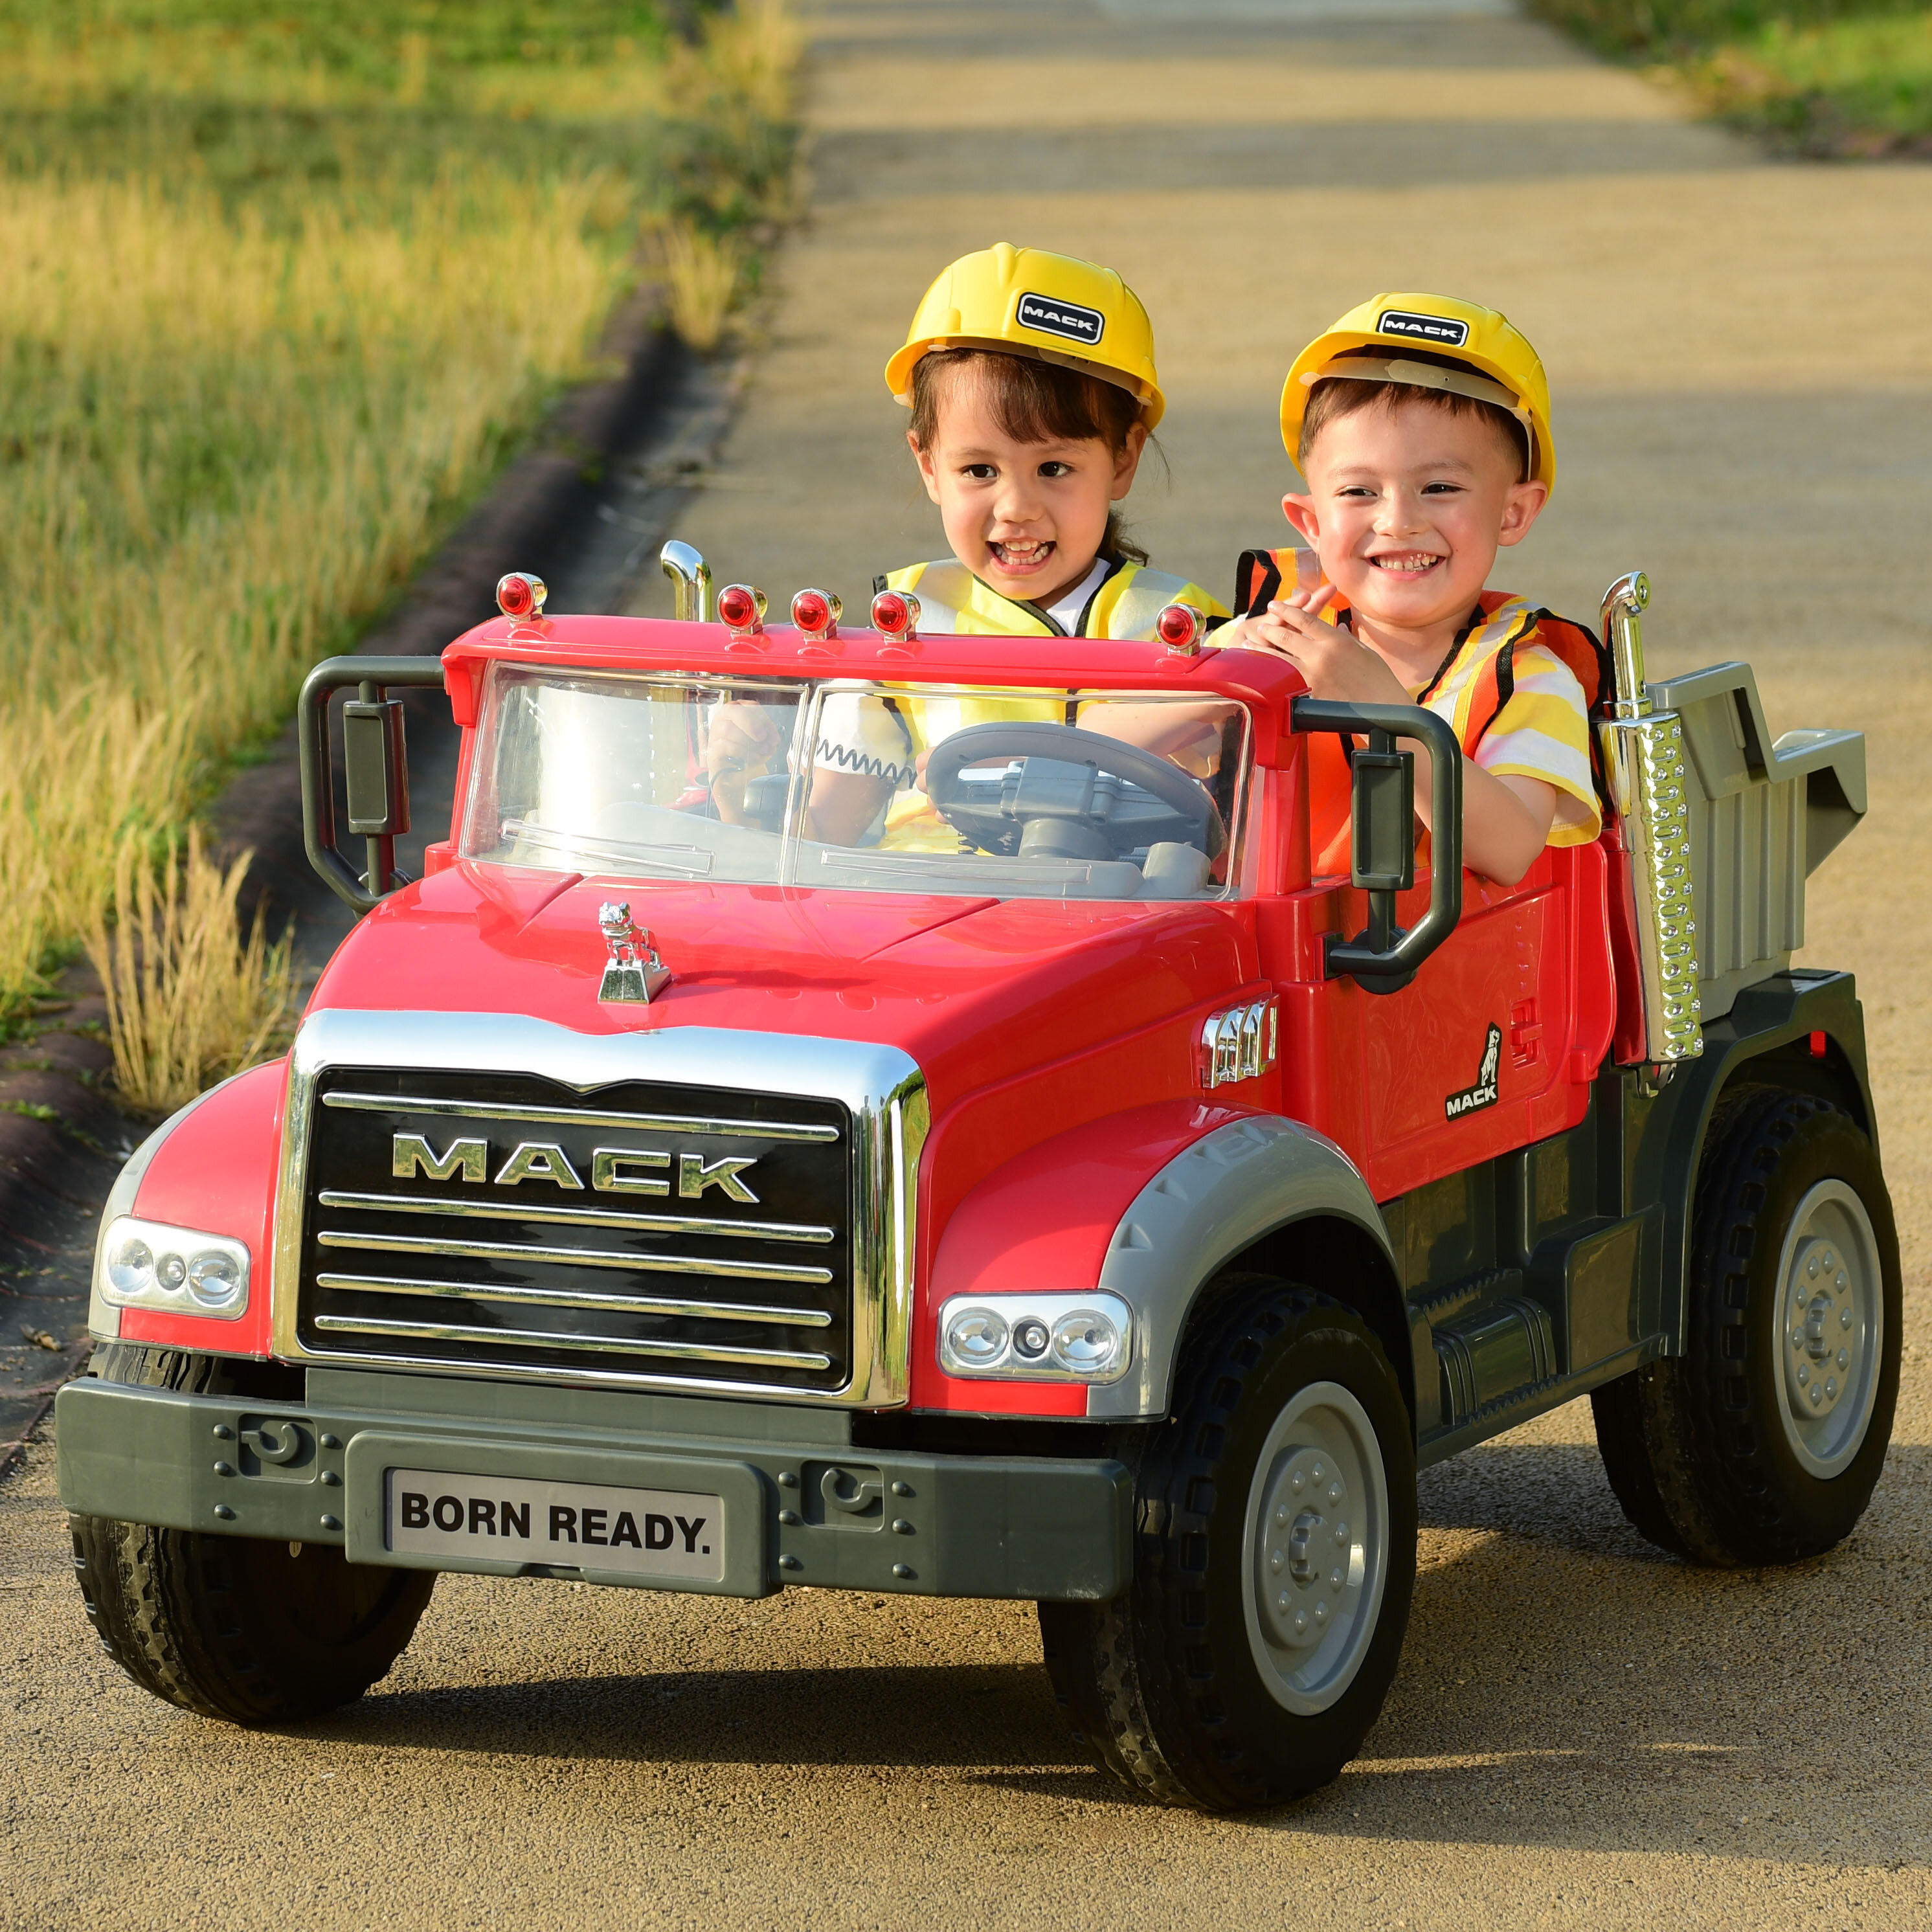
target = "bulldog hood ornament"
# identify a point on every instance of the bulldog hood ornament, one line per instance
(635, 974)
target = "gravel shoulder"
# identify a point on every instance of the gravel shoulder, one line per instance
(1582, 1732)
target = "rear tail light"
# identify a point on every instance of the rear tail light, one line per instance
(895, 615)
(1180, 628)
(520, 595)
(816, 612)
(742, 610)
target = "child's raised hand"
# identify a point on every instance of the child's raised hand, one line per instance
(1336, 664)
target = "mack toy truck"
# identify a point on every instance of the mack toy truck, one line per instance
(1075, 1200)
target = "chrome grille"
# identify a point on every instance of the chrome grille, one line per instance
(502, 1220)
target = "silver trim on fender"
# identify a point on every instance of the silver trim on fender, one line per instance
(881, 1086)
(1213, 1199)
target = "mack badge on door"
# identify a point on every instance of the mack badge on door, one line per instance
(642, 1532)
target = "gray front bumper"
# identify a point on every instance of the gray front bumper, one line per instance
(1048, 1529)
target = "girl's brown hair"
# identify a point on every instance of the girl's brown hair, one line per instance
(1034, 402)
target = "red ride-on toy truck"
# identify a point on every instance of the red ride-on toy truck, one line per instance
(1067, 1199)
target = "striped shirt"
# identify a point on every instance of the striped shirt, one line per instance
(1541, 730)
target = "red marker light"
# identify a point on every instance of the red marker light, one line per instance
(519, 595)
(1179, 627)
(815, 612)
(895, 615)
(738, 606)
(1820, 1045)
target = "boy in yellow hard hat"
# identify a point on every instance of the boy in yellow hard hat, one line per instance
(1030, 378)
(1421, 424)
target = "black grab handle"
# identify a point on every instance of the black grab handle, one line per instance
(1384, 958)
(364, 889)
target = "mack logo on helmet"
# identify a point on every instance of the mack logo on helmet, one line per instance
(1444, 329)
(1061, 318)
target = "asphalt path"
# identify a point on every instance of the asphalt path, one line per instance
(1583, 1732)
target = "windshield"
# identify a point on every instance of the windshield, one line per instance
(864, 786)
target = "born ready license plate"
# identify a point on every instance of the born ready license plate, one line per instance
(667, 1533)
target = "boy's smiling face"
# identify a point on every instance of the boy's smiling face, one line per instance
(1028, 518)
(1407, 505)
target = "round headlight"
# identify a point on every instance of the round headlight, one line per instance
(977, 1337)
(213, 1278)
(1030, 1337)
(131, 1267)
(171, 1271)
(1086, 1342)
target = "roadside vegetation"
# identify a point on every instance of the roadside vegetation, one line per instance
(286, 281)
(1850, 78)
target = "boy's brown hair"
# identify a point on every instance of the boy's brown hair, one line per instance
(1336, 396)
(1033, 401)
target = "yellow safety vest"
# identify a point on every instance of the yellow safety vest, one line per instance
(1129, 600)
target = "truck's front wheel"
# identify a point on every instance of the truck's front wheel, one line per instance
(1274, 1563)
(232, 1626)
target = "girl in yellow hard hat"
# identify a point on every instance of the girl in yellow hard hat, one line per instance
(1421, 424)
(1030, 378)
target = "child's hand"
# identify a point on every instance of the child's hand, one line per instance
(1336, 665)
(742, 743)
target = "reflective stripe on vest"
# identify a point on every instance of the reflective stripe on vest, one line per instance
(1126, 605)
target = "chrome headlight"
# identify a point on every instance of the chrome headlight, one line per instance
(1037, 1338)
(177, 1271)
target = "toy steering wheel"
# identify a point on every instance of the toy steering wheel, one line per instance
(1066, 793)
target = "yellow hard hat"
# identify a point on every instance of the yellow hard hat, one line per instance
(1467, 350)
(1026, 302)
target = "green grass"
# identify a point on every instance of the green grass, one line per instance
(1846, 77)
(287, 282)
(271, 102)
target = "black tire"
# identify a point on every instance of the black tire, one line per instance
(1716, 1455)
(231, 1627)
(1180, 1686)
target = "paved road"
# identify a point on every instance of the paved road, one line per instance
(1582, 1733)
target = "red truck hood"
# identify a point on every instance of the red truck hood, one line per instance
(975, 990)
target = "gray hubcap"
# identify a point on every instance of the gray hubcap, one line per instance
(1316, 1557)
(1831, 1314)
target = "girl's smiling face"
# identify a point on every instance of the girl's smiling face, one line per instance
(1407, 505)
(1028, 518)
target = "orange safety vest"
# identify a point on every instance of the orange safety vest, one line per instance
(1499, 623)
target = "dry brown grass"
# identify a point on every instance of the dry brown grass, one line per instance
(231, 423)
(752, 54)
(188, 999)
(235, 445)
(701, 277)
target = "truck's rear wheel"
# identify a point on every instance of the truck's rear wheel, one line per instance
(232, 1626)
(1762, 1443)
(1273, 1565)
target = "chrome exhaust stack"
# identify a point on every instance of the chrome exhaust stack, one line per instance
(691, 582)
(1649, 776)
